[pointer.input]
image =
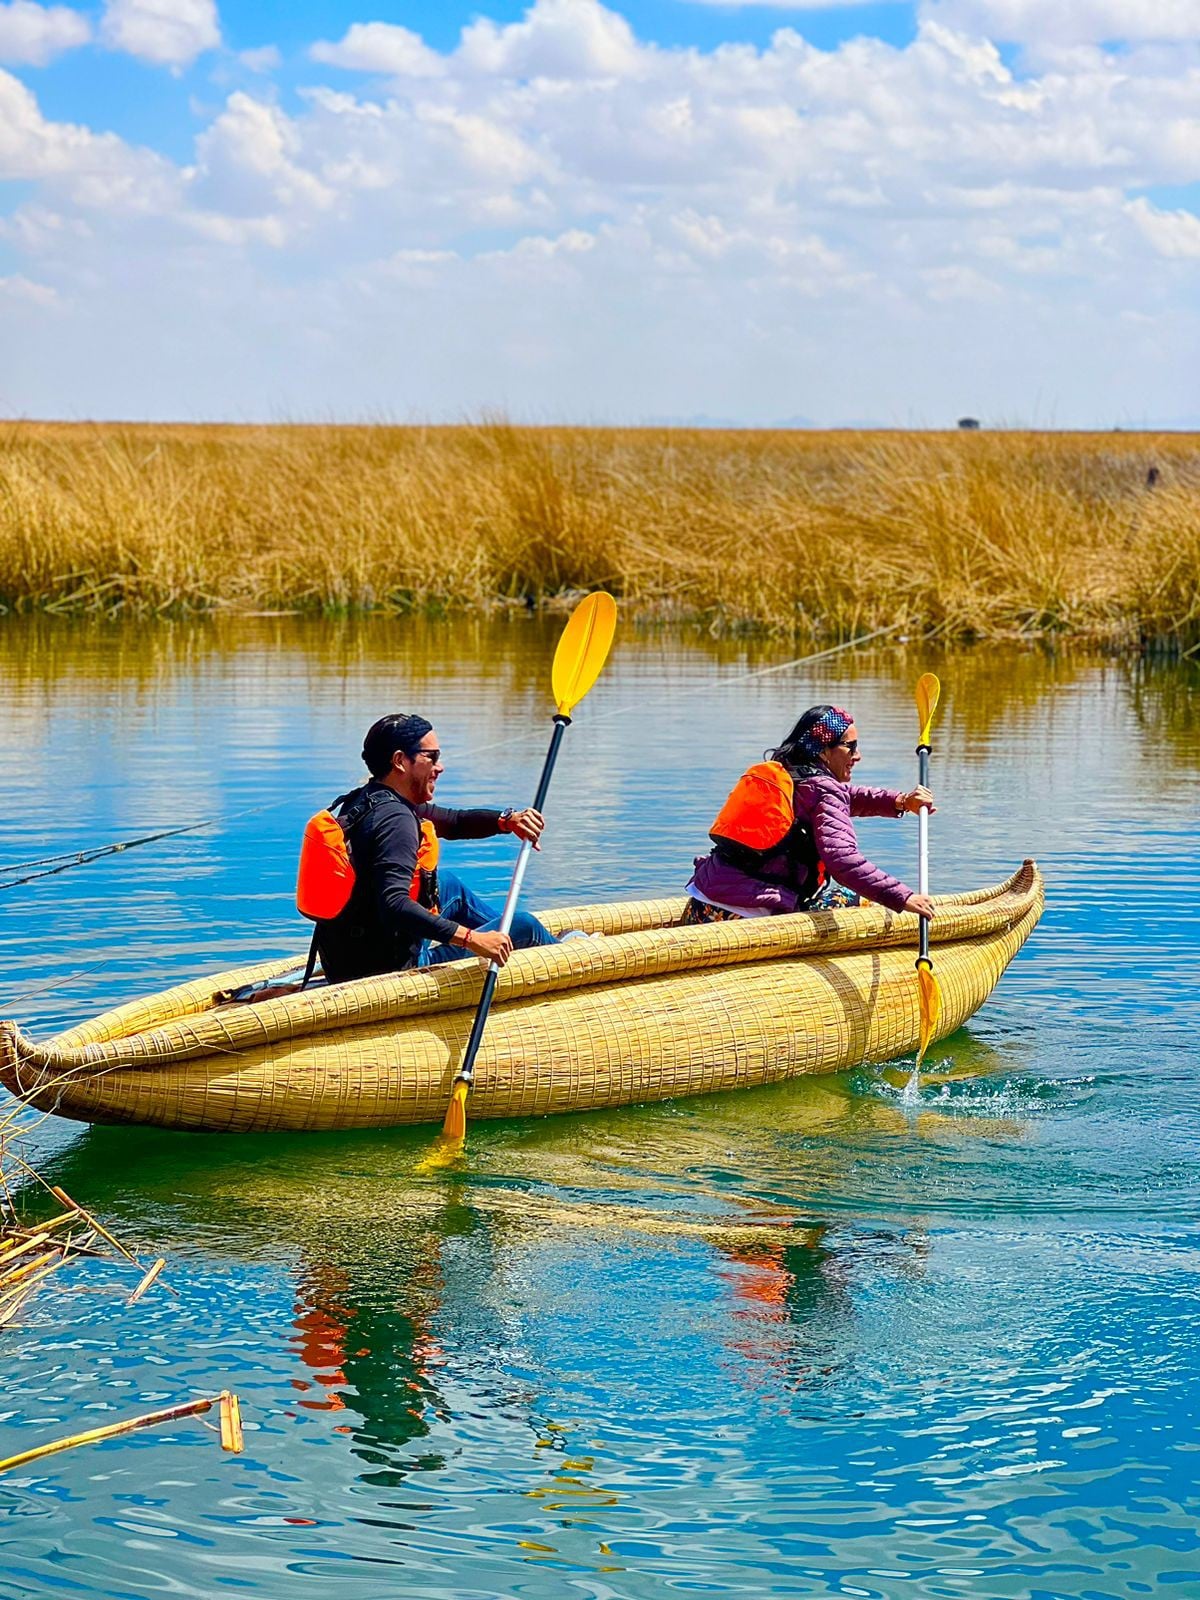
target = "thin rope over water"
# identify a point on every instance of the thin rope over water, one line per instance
(81, 858)
(50, 866)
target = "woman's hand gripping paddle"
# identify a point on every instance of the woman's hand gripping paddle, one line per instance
(928, 994)
(582, 651)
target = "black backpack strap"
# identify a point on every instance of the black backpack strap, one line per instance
(311, 963)
(357, 803)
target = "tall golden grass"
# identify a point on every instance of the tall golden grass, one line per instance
(961, 535)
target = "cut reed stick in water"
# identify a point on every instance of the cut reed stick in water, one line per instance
(11, 1300)
(231, 1433)
(231, 1423)
(65, 1199)
(147, 1280)
(19, 1239)
(27, 1265)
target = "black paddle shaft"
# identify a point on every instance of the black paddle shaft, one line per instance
(923, 753)
(467, 1071)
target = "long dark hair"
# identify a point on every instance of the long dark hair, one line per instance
(796, 752)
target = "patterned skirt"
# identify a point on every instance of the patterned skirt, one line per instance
(831, 898)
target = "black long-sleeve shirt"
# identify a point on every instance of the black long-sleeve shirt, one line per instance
(382, 927)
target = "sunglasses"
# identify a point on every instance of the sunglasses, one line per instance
(847, 744)
(434, 755)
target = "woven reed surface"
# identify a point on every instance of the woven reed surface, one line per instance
(773, 1000)
(181, 1023)
(458, 984)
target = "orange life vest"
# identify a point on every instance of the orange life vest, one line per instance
(758, 820)
(423, 887)
(325, 878)
(758, 812)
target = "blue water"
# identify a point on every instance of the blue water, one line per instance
(800, 1341)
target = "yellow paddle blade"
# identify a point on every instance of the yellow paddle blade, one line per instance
(930, 997)
(929, 692)
(583, 650)
(454, 1128)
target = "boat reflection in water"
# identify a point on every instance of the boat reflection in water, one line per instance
(414, 1298)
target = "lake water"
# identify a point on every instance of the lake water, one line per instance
(958, 1357)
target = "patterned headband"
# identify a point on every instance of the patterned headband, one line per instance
(828, 731)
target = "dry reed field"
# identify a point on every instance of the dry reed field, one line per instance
(822, 535)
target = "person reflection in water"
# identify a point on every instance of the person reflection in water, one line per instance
(405, 911)
(793, 1303)
(365, 1333)
(784, 840)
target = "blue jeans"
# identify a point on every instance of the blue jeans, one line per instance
(463, 905)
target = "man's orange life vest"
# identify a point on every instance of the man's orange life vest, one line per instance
(325, 878)
(758, 821)
(423, 887)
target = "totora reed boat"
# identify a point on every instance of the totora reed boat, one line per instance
(650, 1011)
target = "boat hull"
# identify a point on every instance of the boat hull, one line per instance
(649, 1014)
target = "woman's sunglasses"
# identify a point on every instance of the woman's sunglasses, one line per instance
(847, 744)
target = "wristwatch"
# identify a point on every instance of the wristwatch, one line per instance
(504, 818)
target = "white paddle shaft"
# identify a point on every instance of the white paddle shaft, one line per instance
(514, 891)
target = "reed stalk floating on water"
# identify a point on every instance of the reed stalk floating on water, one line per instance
(29, 1255)
(231, 1429)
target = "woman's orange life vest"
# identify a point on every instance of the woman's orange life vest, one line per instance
(325, 878)
(759, 820)
(758, 812)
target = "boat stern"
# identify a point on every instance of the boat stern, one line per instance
(21, 1071)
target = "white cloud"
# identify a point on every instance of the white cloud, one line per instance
(1071, 22)
(1175, 234)
(33, 148)
(167, 33)
(560, 218)
(31, 35)
(265, 59)
(25, 291)
(563, 39)
(246, 166)
(786, 5)
(380, 47)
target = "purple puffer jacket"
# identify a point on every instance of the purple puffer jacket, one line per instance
(828, 807)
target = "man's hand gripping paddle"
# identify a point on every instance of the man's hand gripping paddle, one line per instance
(582, 652)
(928, 994)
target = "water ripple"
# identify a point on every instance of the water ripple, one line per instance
(808, 1340)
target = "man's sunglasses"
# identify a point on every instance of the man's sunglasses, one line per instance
(434, 755)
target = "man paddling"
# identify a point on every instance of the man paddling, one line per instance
(403, 910)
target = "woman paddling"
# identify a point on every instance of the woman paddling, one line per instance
(785, 835)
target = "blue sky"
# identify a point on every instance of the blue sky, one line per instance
(145, 105)
(621, 211)
(291, 24)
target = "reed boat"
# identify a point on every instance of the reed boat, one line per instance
(648, 1011)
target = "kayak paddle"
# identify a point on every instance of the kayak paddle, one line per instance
(928, 993)
(582, 652)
